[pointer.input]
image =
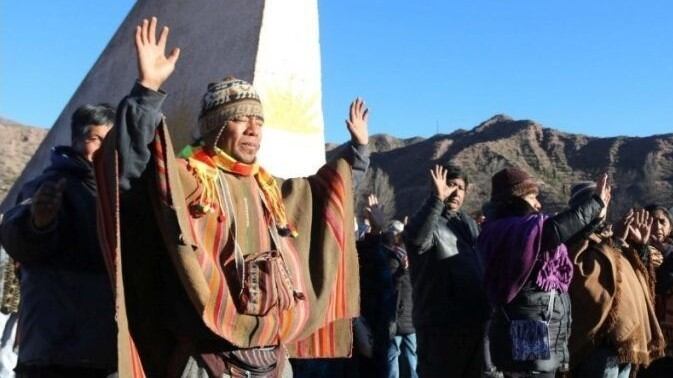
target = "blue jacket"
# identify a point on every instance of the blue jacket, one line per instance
(66, 314)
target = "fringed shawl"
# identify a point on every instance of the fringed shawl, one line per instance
(612, 304)
(511, 249)
(321, 257)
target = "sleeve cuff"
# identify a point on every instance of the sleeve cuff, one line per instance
(360, 149)
(148, 97)
(599, 200)
(435, 204)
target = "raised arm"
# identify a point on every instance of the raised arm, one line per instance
(419, 231)
(640, 233)
(563, 226)
(358, 152)
(374, 214)
(139, 113)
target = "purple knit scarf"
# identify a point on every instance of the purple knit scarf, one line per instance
(511, 250)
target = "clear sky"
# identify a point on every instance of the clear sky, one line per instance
(596, 67)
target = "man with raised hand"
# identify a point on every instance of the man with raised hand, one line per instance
(450, 307)
(221, 267)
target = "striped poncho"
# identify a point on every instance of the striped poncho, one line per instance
(321, 256)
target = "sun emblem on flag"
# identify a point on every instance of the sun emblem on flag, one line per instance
(293, 112)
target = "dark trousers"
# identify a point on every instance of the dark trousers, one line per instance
(602, 363)
(660, 368)
(450, 352)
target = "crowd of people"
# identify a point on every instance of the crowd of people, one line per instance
(521, 293)
(136, 262)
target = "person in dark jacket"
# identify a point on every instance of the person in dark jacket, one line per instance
(528, 271)
(450, 306)
(66, 314)
(402, 333)
(377, 293)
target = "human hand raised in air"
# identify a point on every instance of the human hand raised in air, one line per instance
(154, 67)
(357, 122)
(374, 213)
(604, 191)
(640, 228)
(442, 189)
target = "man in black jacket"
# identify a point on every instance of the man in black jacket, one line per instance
(450, 305)
(66, 315)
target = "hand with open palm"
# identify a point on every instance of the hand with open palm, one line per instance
(442, 189)
(357, 122)
(154, 67)
(374, 212)
(640, 229)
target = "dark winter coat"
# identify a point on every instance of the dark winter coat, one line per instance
(377, 293)
(446, 271)
(532, 302)
(403, 323)
(66, 315)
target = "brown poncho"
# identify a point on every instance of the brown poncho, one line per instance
(612, 303)
(321, 257)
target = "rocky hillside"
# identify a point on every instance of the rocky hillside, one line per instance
(641, 168)
(19, 142)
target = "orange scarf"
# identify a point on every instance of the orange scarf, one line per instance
(273, 198)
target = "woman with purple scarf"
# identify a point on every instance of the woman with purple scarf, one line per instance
(528, 272)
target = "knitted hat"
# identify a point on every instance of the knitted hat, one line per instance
(512, 182)
(580, 192)
(225, 100)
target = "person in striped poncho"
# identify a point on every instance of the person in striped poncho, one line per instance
(221, 269)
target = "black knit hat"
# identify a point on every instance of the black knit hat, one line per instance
(512, 182)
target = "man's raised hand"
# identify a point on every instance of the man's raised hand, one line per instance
(358, 118)
(442, 189)
(154, 67)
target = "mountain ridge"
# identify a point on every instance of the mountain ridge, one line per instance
(19, 144)
(641, 167)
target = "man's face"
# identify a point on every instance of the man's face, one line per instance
(455, 200)
(90, 142)
(241, 138)
(661, 226)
